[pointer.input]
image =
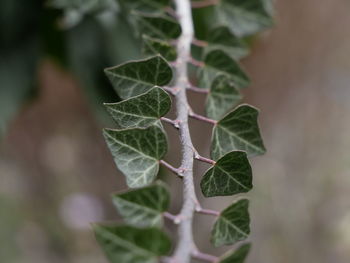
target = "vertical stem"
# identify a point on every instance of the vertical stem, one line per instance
(185, 244)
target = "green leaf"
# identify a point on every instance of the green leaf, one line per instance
(140, 111)
(230, 175)
(137, 153)
(145, 206)
(146, 5)
(136, 77)
(153, 46)
(237, 256)
(126, 244)
(157, 25)
(232, 225)
(243, 17)
(238, 130)
(222, 97)
(216, 63)
(221, 38)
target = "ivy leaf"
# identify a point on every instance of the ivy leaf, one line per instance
(216, 63)
(232, 225)
(221, 38)
(153, 46)
(237, 256)
(222, 97)
(128, 244)
(146, 5)
(145, 206)
(157, 25)
(238, 130)
(136, 77)
(140, 111)
(230, 175)
(137, 153)
(243, 17)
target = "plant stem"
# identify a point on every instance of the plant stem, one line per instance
(185, 244)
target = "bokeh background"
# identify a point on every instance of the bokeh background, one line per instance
(56, 173)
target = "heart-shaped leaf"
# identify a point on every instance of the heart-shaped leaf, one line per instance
(153, 46)
(137, 153)
(232, 225)
(157, 25)
(236, 256)
(217, 63)
(146, 5)
(145, 206)
(221, 38)
(230, 175)
(140, 111)
(222, 97)
(243, 17)
(136, 77)
(128, 244)
(238, 130)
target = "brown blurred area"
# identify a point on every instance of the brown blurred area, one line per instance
(57, 173)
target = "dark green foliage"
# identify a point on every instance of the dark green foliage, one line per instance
(139, 143)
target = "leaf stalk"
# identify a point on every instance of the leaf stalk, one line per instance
(204, 3)
(177, 171)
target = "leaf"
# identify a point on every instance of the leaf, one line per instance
(145, 206)
(237, 256)
(153, 46)
(217, 63)
(157, 25)
(230, 175)
(222, 97)
(221, 38)
(136, 77)
(140, 111)
(238, 130)
(128, 244)
(146, 5)
(137, 153)
(243, 17)
(232, 225)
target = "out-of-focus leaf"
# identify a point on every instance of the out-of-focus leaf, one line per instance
(137, 153)
(236, 256)
(243, 17)
(221, 38)
(230, 175)
(218, 63)
(153, 46)
(17, 76)
(145, 206)
(76, 10)
(232, 225)
(238, 130)
(128, 244)
(136, 77)
(222, 97)
(157, 26)
(140, 111)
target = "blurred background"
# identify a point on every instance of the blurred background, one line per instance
(56, 173)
